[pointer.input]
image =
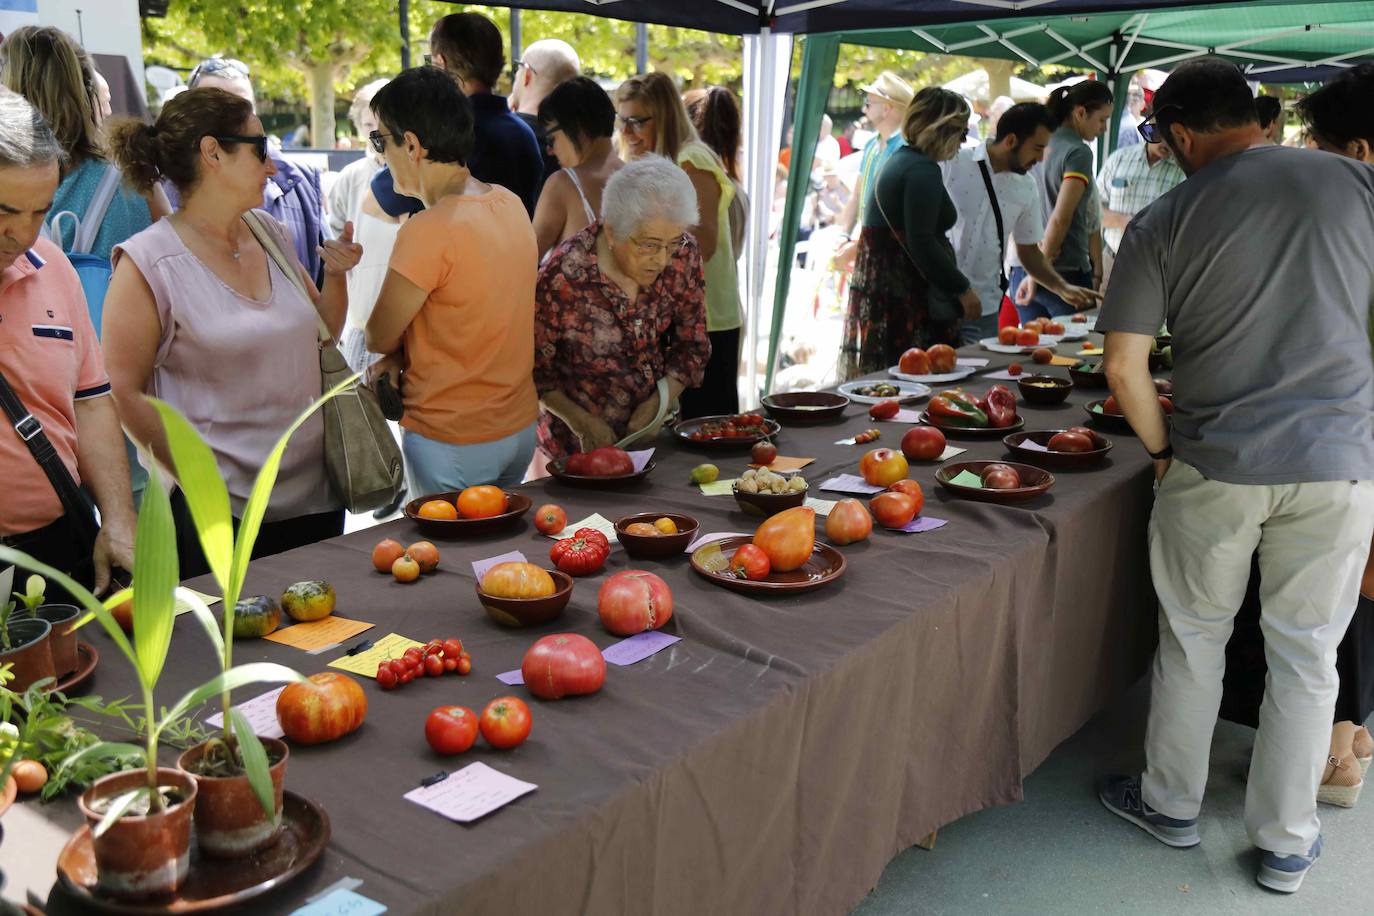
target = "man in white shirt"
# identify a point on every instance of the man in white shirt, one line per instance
(1020, 140)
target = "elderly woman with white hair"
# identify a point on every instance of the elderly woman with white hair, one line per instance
(621, 306)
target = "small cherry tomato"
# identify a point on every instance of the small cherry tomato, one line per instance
(434, 665)
(464, 665)
(450, 664)
(407, 677)
(453, 648)
(386, 678)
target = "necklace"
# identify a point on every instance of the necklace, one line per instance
(233, 246)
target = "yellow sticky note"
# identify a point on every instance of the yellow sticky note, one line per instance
(1090, 351)
(782, 464)
(596, 520)
(319, 634)
(719, 487)
(1064, 361)
(392, 645)
(210, 600)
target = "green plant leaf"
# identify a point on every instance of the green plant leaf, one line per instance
(204, 489)
(255, 673)
(77, 591)
(262, 490)
(100, 751)
(117, 809)
(156, 573)
(201, 611)
(119, 597)
(255, 764)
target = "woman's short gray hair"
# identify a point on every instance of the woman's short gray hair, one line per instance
(650, 187)
(25, 138)
(362, 99)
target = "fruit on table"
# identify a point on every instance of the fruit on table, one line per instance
(738, 426)
(942, 358)
(1008, 334)
(867, 436)
(327, 706)
(550, 519)
(665, 525)
(704, 473)
(517, 580)
(451, 729)
(762, 480)
(633, 601)
(309, 600)
(563, 665)
(1166, 404)
(584, 553)
(1168, 354)
(1054, 328)
(999, 404)
(879, 390)
(849, 521)
(1000, 477)
(893, 509)
(763, 452)
(642, 529)
(439, 509)
(750, 562)
(923, 443)
(1042, 356)
(254, 616)
(437, 657)
(1027, 338)
(1111, 407)
(1014, 369)
(29, 775)
(955, 408)
(882, 467)
(482, 502)
(123, 614)
(405, 569)
(607, 461)
(426, 554)
(385, 554)
(913, 489)
(1070, 441)
(789, 537)
(1164, 386)
(914, 362)
(884, 410)
(505, 722)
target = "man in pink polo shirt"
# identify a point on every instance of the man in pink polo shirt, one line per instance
(50, 357)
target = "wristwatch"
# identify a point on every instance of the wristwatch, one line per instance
(1163, 454)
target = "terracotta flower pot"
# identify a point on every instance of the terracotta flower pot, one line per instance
(30, 652)
(142, 855)
(230, 823)
(63, 639)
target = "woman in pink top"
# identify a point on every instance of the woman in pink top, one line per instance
(198, 314)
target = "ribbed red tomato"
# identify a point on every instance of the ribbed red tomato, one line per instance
(582, 554)
(563, 665)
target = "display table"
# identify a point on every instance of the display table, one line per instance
(776, 758)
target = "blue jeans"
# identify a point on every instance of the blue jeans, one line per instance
(1046, 304)
(970, 332)
(438, 467)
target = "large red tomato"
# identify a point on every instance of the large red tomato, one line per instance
(914, 362)
(633, 601)
(451, 729)
(848, 521)
(942, 358)
(582, 554)
(505, 722)
(893, 509)
(788, 538)
(327, 706)
(1070, 441)
(923, 443)
(882, 467)
(1111, 407)
(563, 665)
(609, 461)
(913, 489)
(518, 580)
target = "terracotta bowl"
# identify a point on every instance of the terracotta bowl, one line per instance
(766, 504)
(1044, 389)
(804, 408)
(1085, 379)
(1034, 482)
(528, 612)
(1114, 422)
(657, 547)
(1015, 444)
(517, 504)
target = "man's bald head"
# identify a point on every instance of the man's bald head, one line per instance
(544, 65)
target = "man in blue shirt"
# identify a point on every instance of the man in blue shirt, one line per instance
(885, 107)
(506, 152)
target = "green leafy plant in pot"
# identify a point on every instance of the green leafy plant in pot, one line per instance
(25, 640)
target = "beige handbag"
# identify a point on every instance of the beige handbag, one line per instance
(360, 453)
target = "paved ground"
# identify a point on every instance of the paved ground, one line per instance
(1060, 851)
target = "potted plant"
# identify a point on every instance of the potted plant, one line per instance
(60, 617)
(24, 641)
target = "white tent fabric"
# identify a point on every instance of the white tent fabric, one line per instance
(974, 86)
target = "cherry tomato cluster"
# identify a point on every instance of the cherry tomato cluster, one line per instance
(437, 658)
(739, 426)
(867, 435)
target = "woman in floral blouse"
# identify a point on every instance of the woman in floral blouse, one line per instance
(619, 306)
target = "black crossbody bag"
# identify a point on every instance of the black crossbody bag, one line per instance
(1002, 280)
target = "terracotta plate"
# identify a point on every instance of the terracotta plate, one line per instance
(86, 660)
(1034, 482)
(211, 884)
(516, 506)
(584, 480)
(711, 561)
(964, 432)
(684, 430)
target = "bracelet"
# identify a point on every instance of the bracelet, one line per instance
(1163, 454)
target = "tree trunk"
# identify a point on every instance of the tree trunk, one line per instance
(999, 77)
(322, 105)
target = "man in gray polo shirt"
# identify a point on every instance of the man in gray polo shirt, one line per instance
(1262, 261)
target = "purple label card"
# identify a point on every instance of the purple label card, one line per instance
(473, 792)
(511, 678)
(638, 647)
(640, 458)
(480, 567)
(261, 713)
(1032, 446)
(851, 483)
(923, 523)
(711, 538)
(971, 362)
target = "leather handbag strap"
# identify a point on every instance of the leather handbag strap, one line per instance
(270, 244)
(1001, 230)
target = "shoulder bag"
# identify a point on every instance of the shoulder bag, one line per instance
(940, 305)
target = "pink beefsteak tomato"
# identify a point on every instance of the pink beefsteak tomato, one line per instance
(848, 521)
(563, 665)
(633, 601)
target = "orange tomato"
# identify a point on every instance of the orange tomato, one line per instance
(426, 554)
(438, 509)
(882, 467)
(326, 707)
(518, 580)
(481, 502)
(788, 538)
(666, 525)
(643, 529)
(385, 554)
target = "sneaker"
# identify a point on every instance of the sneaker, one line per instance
(1285, 873)
(1121, 796)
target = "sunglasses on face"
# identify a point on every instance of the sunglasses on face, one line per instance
(218, 65)
(378, 140)
(257, 141)
(1150, 129)
(633, 125)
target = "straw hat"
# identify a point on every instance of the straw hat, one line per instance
(892, 87)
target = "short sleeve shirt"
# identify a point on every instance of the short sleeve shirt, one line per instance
(1128, 182)
(1268, 298)
(50, 356)
(1068, 158)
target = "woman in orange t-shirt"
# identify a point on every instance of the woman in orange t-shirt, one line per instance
(456, 312)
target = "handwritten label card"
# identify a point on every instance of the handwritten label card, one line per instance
(971, 362)
(719, 487)
(392, 645)
(595, 520)
(851, 483)
(261, 713)
(342, 902)
(474, 791)
(718, 536)
(1004, 376)
(480, 567)
(183, 608)
(315, 636)
(967, 479)
(905, 415)
(638, 647)
(950, 452)
(923, 523)
(821, 507)
(640, 459)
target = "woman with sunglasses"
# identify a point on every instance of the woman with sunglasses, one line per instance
(653, 119)
(578, 119)
(202, 316)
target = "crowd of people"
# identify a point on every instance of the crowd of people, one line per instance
(557, 271)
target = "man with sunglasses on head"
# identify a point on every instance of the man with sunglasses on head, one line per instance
(1261, 263)
(884, 106)
(293, 195)
(542, 68)
(468, 47)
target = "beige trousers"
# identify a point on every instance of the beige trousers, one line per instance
(1313, 539)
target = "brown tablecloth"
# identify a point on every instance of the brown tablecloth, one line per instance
(779, 756)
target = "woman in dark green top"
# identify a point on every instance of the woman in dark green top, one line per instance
(907, 290)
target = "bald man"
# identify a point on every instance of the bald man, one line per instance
(545, 65)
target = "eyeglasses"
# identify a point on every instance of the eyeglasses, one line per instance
(518, 63)
(378, 140)
(633, 125)
(1150, 128)
(216, 65)
(258, 142)
(648, 249)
